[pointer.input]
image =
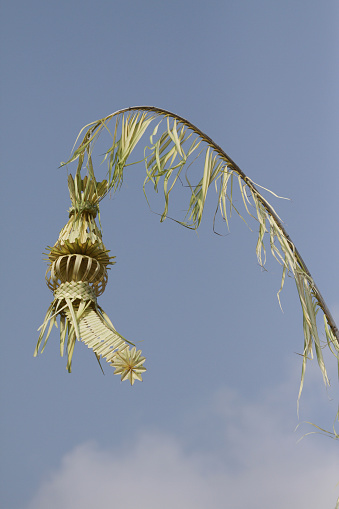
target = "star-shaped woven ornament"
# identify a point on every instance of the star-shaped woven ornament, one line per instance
(129, 364)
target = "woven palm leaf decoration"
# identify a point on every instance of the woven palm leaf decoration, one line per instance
(77, 275)
(79, 260)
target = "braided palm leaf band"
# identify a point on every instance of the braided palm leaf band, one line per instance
(75, 290)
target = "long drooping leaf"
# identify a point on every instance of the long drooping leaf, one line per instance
(175, 144)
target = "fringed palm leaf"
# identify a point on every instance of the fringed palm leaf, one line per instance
(175, 144)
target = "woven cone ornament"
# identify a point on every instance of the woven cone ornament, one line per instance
(77, 275)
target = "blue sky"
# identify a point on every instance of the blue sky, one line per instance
(213, 422)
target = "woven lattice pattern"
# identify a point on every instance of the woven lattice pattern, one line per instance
(75, 290)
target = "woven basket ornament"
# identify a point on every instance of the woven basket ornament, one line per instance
(77, 275)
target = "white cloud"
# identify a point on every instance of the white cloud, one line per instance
(259, 465)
